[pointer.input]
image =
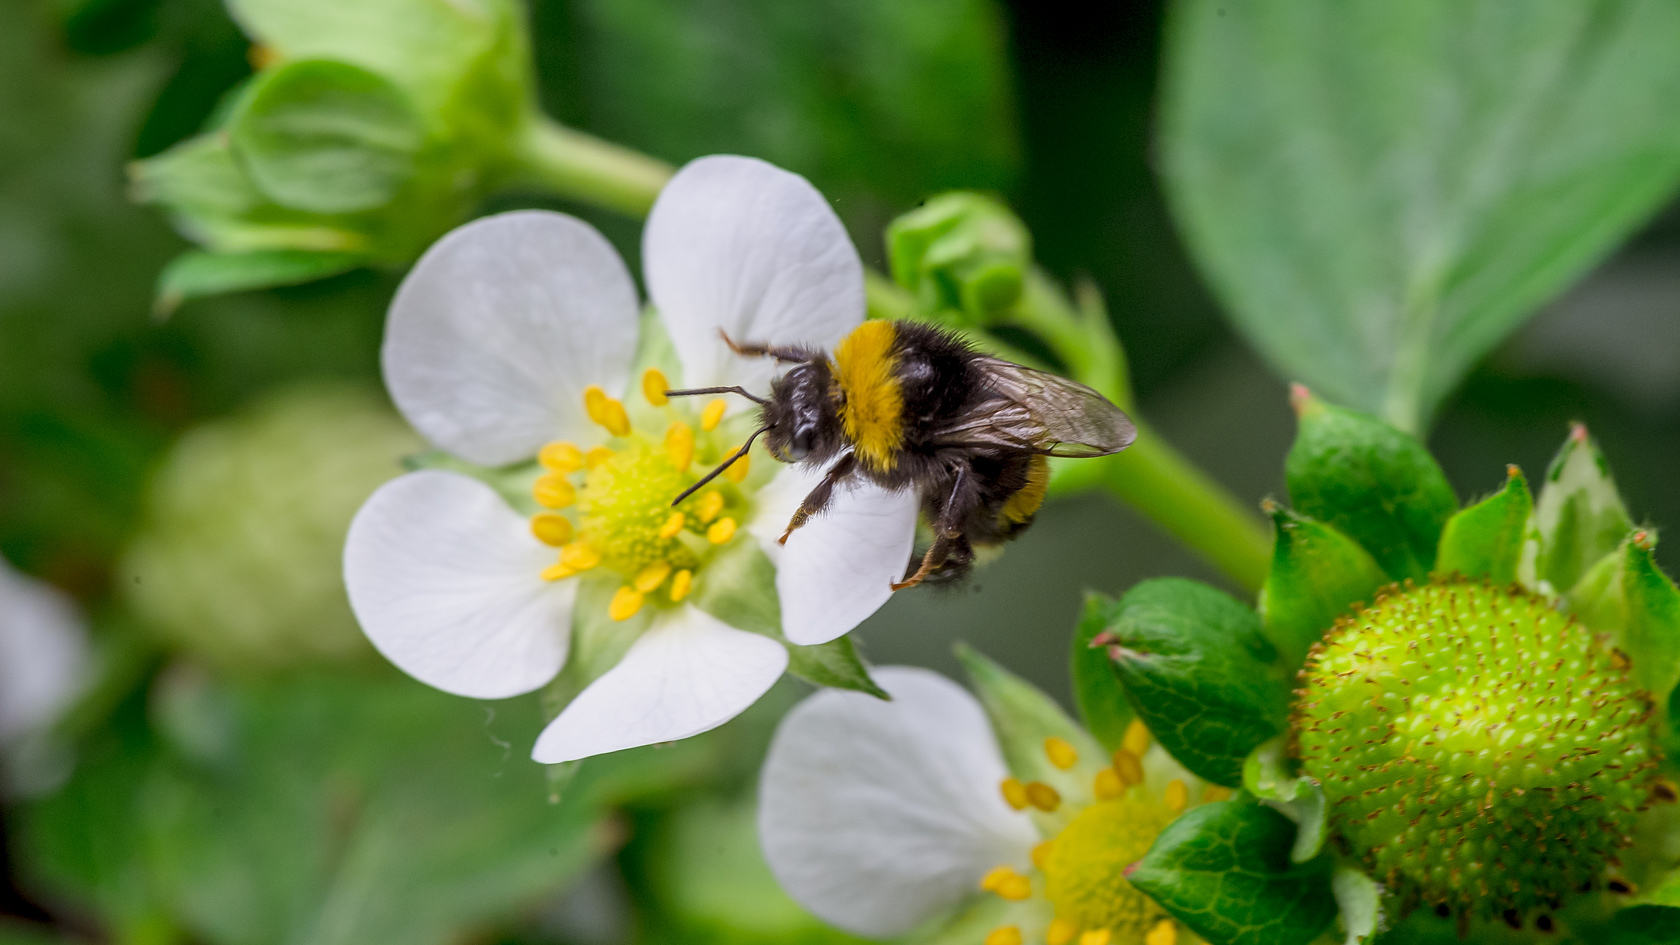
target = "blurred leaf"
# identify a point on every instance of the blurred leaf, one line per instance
(195, 274)
(1580, 515)
(1317, 575)
(1382, 191)
(1223, 869)
(1652, 636)
(1485, 540)
(1644, 925)
(1266, 775)
(326, 137)
(1096, 686)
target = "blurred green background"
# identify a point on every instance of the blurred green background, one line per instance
(220, 801)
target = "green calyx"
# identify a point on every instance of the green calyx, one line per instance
(1481, 753)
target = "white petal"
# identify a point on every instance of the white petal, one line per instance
(838, 568)
(500, 326)
(446, 581)
(776, 502)
(738, 244)
(689, 673)
(45, 656)
(877, 815)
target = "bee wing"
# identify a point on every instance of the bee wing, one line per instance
(1037, 412)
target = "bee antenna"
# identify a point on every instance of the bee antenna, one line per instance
(718, 390)
(721, 466)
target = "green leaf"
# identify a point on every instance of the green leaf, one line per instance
(1381, 192)
(1199, 672)
(194, 274)
(1644, 925)
(1266, 775)
(1652, 636)
(1359, 901)
(326, 137)
(1486, 540)
(835, 664)
(1580, 515)
(1375, 483)
(1317, 575)
(1097, 690)
(1223, 869)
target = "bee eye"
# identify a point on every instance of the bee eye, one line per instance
(799, 446)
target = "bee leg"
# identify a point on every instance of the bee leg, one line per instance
(946, 531)
(753, 350)
(819, 497)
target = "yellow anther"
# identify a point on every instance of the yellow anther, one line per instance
(1128, 767)
(553, 491)
(1043, 796)
(672, 525)
(721, 530)
(596, 456)
(551, 529)
(654, 386)
(1165, 932)
(606, 411)
(710, 505)
(561, 457)
(995, 876)
(1096, 937)
(1003, 935)
(713, 414)
(1137, 738)
(1016, 887)
(1060, 932)
(594, 401)
(1108, 785)
(1213, 793)
(1015, 794)
(1041, 853)
(579, 556)
(1178, 796)
(681, 584)
(555, 572)
(1060, 753)
(737, 471)
(679, 444)
(626, 601)
(652, 576)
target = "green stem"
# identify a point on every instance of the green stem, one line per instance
(572, 164)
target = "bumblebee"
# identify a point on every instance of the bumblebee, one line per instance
(910, 406)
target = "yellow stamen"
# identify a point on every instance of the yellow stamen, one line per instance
(672, 525)
(713, 414)
(1096, 937)
(654, 386)
(652, 576)
(579, 556)
(1015, 794)
(721, 531)
(606, 411)
(1003, 935)
(1043, 796)
(737, 471)
(1137, 738)
(553, 491)
(1016, 888)
(994, 877)
(679, 444)
(1060, 753)
(680, 585)
(551, 529)
(1108, 785)
(1060, 932)
(1128, 767)
(626, 601)
(1213, 793)
(1041, 853)
(596, 456)
(710, 505)
(1178, 796)
(1165, 932)
(561, 457)
(555, 572)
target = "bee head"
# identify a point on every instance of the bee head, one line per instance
(800, 419)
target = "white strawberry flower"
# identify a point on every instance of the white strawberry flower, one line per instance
(516, 337)
(45, 660)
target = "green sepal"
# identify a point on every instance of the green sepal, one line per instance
(835, 664)
(1643, 925)
(1652, 636)
(1199, 671)
(195, 273)
(598, 641)
(1359, 902)
(1223, 869)
(1597, 599)
(1097, 690)
(1374, 482)
(1486, 540)
(1022, 717)
(963, 253)
(1579, 515)
(1266, 775)
(326, 137)
(512, 483)
(1317, 575)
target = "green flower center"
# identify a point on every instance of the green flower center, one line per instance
(1481, 752)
